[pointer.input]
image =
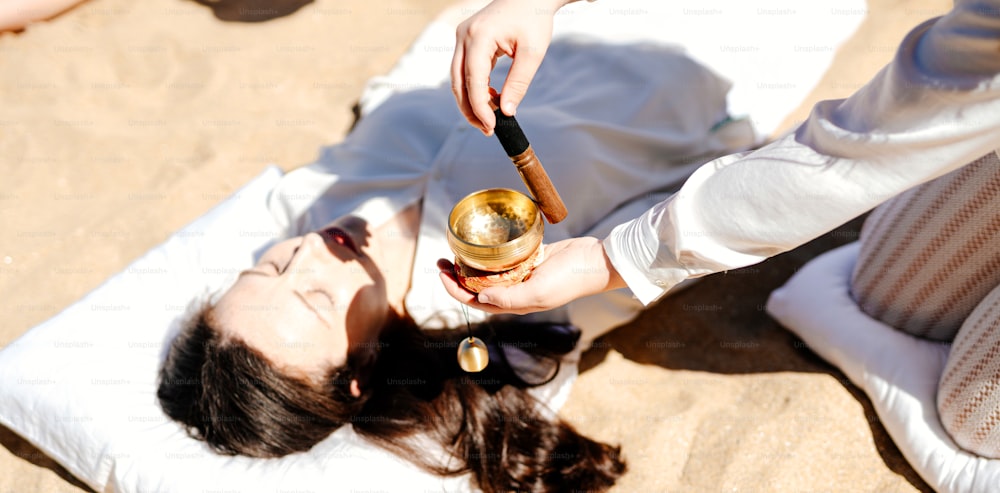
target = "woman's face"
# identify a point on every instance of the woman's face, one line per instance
(307, 303)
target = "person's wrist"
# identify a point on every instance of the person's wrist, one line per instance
(599, 257)
(615, 280)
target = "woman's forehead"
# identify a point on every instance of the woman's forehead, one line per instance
(279, 322)
(258, 303)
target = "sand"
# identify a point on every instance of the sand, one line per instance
(121, 121)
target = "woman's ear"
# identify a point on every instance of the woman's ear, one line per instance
(363, 363)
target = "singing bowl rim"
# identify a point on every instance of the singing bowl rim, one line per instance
(503, 256)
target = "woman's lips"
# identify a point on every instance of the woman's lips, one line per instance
(340, 237)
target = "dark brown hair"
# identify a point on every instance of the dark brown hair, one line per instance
(229, 395)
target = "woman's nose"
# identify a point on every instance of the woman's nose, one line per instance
(304, 263)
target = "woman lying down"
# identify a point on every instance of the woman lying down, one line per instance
(338, 325)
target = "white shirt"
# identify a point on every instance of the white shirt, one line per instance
(615, 127)
(934, 108)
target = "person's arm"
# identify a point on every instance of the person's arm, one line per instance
(935, 108)
(520, 29)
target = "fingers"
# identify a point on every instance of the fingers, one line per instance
(471, 65)
(454, 288)
(447, 276)
(522, 71)
(518, 298)
(520, 29)
(458, 85)
(479, 61)
(470, 83)
(462, 295)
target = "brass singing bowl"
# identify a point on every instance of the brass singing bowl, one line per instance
(495, 229)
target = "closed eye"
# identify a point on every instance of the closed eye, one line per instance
(324, 294)
(281, 270)
(322, 302)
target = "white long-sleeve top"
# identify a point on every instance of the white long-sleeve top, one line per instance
(934, 108)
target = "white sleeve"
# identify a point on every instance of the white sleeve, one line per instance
(933, 109)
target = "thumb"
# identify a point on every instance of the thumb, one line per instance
(522, 71)
(491, 296)
(513, 299)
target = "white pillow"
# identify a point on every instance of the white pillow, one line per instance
(899, 372)
(82, 386)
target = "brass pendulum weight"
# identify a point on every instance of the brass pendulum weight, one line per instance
(472, 353)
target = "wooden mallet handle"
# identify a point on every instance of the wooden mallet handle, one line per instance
(516, 145)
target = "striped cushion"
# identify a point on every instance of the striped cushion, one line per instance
(968, 399)
(930, 255)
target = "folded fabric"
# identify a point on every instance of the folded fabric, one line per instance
(898, 372)
(773, 54)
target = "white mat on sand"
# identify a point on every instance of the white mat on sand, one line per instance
(81, 386)
(898, 372)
